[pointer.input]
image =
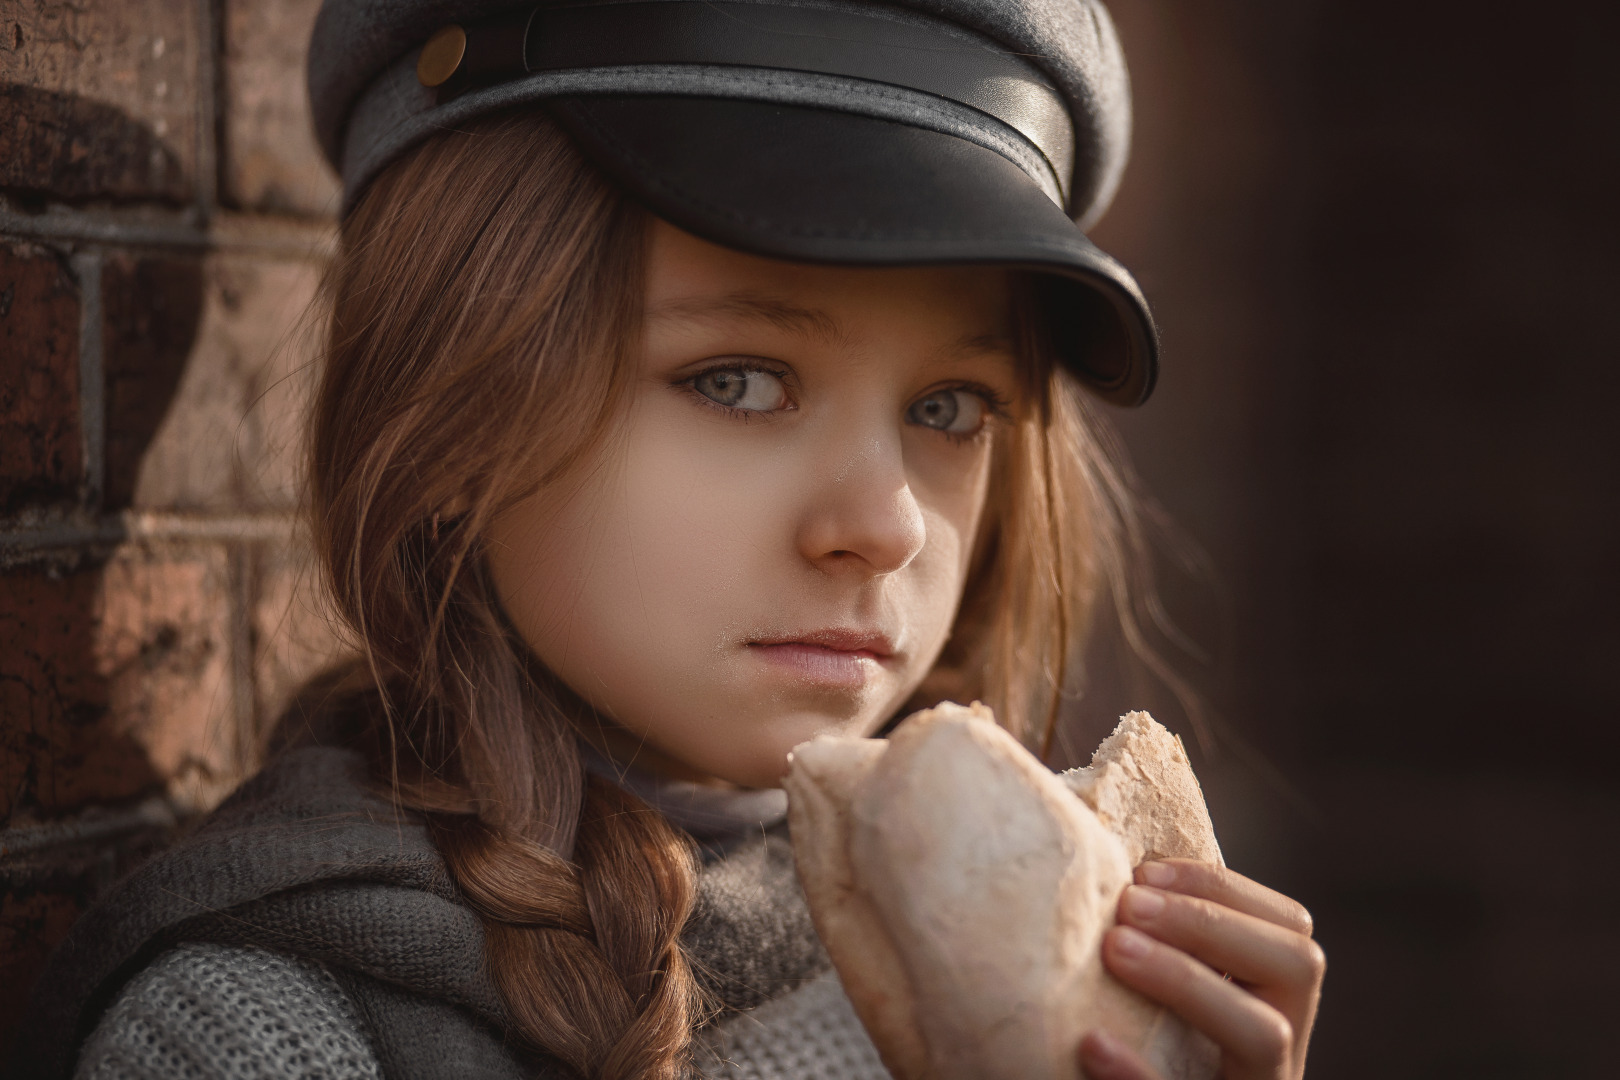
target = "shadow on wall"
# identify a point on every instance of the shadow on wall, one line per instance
(69, 149)
(95, 646)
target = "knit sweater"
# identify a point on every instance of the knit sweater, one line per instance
(309, 930)
(232, 1012)
(204, 1011)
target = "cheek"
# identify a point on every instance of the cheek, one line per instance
(952, 483)
(627, 588)
(926, 594)
(695, 529)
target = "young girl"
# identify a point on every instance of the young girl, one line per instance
(700, 378)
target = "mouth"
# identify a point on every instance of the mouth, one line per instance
(832, 657)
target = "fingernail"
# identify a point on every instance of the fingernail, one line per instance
(1158, 874)
(1143, 903)
(1130, 943)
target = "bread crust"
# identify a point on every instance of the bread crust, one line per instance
(963, 889)
(1142, 787)
(821, 788)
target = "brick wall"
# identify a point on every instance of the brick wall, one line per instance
(164, 214)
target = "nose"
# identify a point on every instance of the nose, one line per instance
(862, 514)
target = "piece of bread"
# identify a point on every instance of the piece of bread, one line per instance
(1142, 787)
(962, 890)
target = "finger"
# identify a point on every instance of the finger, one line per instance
(1227, 888)
(1104, 1057)
(1261, 953)
(1256, 1039)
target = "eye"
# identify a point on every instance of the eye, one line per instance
(748, 389)
(956, 412)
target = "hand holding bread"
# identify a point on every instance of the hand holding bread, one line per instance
(964, 892)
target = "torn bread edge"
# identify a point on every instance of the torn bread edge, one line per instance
(1141, 789)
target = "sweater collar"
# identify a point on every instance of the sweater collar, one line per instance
(712, 815)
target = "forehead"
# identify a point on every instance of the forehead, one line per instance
(688, 278)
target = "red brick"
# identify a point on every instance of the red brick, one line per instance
(54, 753)
(115, 681)
(270, 160)
(41, 451)
(99, 100)
(151, 308)
(231, 437)
(30, 927)
(45, 892)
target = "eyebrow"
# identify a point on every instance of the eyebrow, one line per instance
(811, 322)
(754, 307)
(970, 345)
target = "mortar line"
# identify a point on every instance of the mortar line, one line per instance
(244, 692)
(210, 35)
(20, 538)
(98, 823)
(92, 380)
(77, 225)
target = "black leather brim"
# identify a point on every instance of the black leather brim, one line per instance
(812, 185)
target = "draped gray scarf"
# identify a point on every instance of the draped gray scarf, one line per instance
(306, 859)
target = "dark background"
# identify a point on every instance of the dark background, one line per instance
(1380, 239)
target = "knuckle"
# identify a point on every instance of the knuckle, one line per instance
(1181, 988)
(1209, 875)
(1305, 923)
(1201, 918)
(1272, 1038)
(1313, 960)
(1178, 978)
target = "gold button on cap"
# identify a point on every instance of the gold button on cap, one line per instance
(441, 56)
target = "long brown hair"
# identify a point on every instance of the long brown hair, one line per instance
(484, 305)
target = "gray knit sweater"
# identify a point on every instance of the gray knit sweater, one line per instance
(306, 930)
(243, 1013)
(231, 1012)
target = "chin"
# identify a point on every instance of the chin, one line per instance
(746, 766)
(763, 763)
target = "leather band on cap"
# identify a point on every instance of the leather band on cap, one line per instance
(857, 45)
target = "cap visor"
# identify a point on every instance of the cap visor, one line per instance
(814, 185)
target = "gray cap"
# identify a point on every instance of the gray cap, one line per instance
(922, 132)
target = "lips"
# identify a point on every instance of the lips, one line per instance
(872, 644)
(835, 657)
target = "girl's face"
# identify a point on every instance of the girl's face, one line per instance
(774, 541)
